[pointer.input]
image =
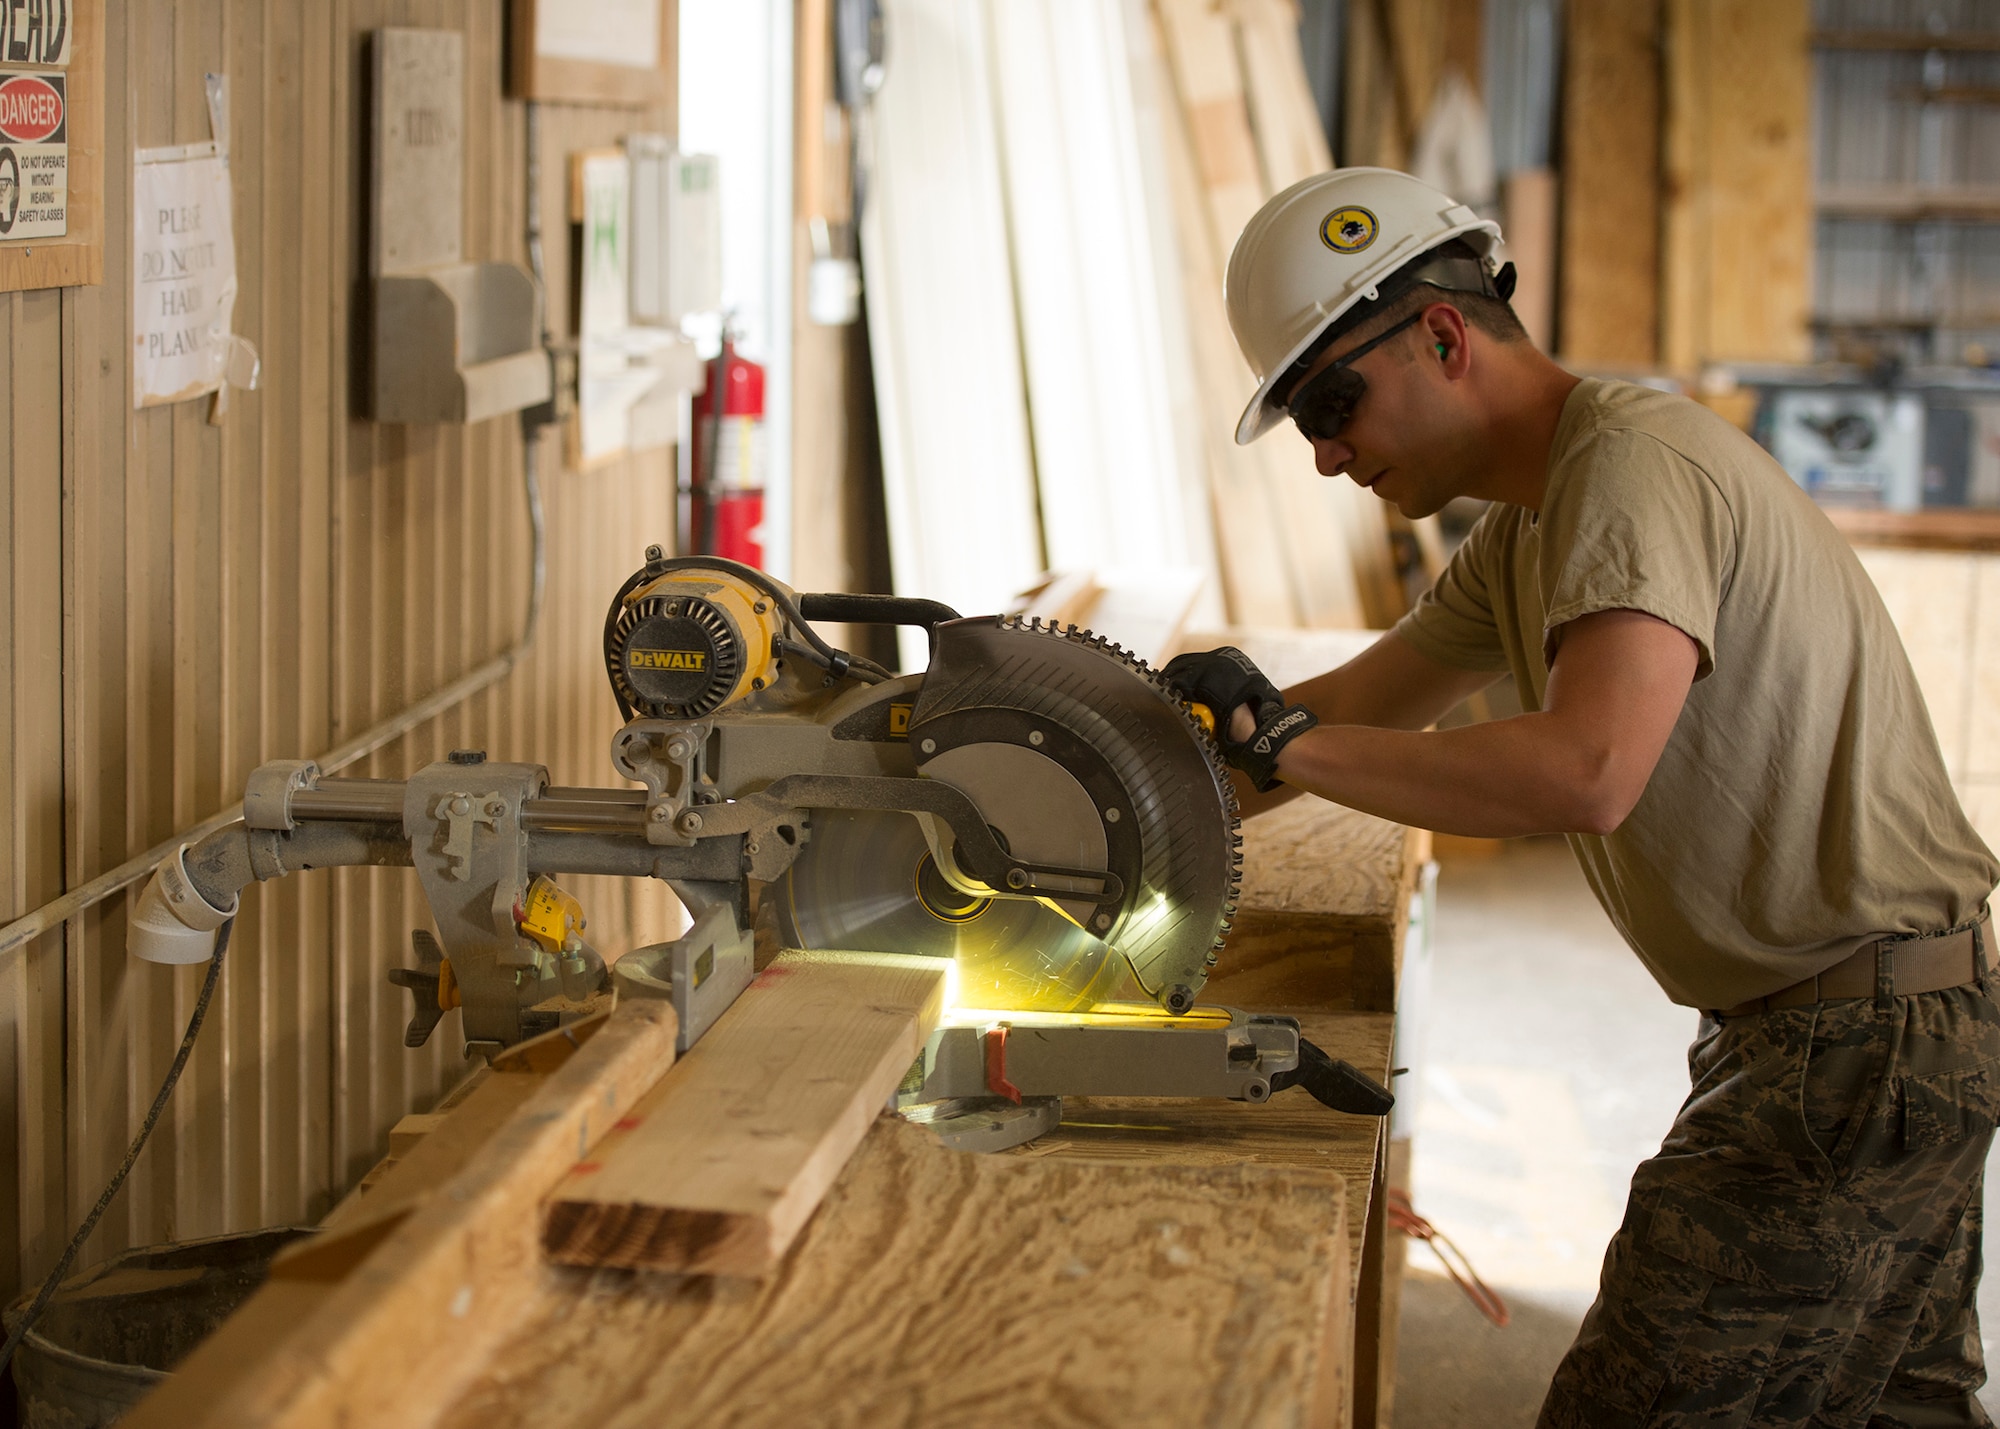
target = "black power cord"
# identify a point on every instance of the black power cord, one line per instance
(90, 1221)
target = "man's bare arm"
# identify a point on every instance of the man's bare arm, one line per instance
(1388, 686)
(1579, 765)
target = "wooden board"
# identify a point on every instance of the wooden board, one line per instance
(397, 1300)
(1288, 657)
(1289, 1130)
(1376, 127)
(1287, 556)
(1292, 146)
(1528, 197)
(1324, 910)
(1609, 306)
(957, 463)
(1121, 478)
(1257, 584)
(1934, 530)
(941, 1288)
(718, 1168)
(1738, 224)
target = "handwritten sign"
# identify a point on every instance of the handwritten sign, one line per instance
(34, 153)
(183, 279)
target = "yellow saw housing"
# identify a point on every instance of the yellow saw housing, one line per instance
(688, 643)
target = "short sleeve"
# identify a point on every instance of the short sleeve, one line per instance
(1634, 525)
(1454, 623)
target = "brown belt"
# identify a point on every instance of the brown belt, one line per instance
(1895, 966)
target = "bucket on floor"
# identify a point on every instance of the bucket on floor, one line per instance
(113, 1332)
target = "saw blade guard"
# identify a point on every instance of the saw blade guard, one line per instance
(1139, 779)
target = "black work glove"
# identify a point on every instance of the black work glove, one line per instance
(1277, 726)
(1221, 679)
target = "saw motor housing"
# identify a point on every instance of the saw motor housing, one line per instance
(681, 644)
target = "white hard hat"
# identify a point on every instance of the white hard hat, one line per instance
(1317, 249)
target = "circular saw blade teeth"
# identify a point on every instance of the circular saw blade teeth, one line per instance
(1210, 748)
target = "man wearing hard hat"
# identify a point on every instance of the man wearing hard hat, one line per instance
(1721, 719)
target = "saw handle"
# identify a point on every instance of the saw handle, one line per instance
(1334, 1083)
(878, 610)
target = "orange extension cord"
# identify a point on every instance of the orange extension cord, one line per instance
(1403, 1217)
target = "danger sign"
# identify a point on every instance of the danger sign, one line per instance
(34, 155)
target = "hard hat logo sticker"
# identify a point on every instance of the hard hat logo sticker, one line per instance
(1349, 230)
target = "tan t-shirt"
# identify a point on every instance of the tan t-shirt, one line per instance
(1801, 806)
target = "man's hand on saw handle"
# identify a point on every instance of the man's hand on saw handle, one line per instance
(1253, 723)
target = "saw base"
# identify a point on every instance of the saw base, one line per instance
(987, 1123)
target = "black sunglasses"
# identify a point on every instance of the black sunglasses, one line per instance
(1323, 403)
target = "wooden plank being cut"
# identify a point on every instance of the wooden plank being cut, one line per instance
(398, 1299)
(936, 1287)
(720, 1166)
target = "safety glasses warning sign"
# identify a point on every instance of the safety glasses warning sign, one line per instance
(34, 155)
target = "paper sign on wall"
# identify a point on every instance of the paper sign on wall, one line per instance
(183, 279)
(34, 154)
(629, 378)
(612, 32)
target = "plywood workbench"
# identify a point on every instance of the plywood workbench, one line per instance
(887, 1300)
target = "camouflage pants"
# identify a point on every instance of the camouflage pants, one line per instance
(1805, 1247)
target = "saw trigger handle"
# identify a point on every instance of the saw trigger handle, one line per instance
(926, 615)
(1334, 1083)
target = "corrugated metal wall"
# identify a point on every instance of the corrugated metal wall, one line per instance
(1930, 272)
(182, 601)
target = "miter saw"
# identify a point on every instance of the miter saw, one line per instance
(1037, 805)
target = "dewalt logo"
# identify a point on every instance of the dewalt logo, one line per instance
(668, 659)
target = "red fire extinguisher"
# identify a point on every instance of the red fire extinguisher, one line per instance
(727, 465)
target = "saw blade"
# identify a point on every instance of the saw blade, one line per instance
(1155, 779)
(1080, 757)
(867, 881)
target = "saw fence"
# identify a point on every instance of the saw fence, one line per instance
(802, 1258)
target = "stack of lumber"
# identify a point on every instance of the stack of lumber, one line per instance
(958, 471)
(1110, 377)
(1297, 549)
(1053, 188)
